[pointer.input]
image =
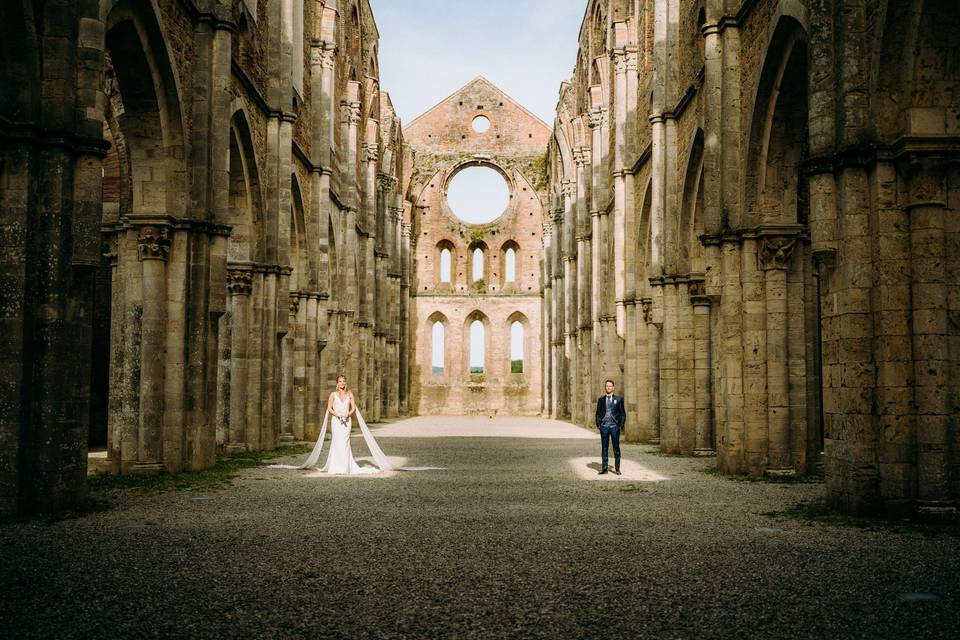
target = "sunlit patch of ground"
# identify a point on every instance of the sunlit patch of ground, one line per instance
(482, 427)
(589, 468)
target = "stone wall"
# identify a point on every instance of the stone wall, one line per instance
(444, 142)
(235, 234)
(786, 299)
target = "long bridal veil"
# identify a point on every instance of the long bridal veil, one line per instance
(380, 459)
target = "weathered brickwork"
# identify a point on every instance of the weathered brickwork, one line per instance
(211, 284)
(782, 254)
(444, 142)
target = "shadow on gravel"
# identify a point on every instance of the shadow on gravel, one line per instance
(105, 488)
(818, 512)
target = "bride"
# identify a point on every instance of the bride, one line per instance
(341, 407)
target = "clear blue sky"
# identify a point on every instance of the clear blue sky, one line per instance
(431, 48)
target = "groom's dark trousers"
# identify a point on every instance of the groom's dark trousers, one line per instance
(610, 431)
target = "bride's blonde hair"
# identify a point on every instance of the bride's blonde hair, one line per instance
(346, 385)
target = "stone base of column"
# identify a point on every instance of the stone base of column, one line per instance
(235, 447)
(146, 469)
(937, 510)
(780, 473)
(653, 441)
(287, 437)
(704, 453)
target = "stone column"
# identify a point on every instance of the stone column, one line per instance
(653, 375)
(752, 344)
(154, 250)
(311, 383)
(288, 357)
(931, 331)
(774, 257)
(703, 420)
(239, 285)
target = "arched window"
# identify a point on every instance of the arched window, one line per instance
(445, 265)
(478, 264)
(477, 346)
(437, 349)
(516, 347)
(510, 265)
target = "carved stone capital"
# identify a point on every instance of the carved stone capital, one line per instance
(239, 282)
(775, 252)
(581, 156)
(154, 243)
(646, 306)
(387, 182)
(370, 151)
(350, 113)
(294, 305)
(619, 57)
(596, 118)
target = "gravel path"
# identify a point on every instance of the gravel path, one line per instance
(516, 538)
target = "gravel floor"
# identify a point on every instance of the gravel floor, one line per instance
(512, 539)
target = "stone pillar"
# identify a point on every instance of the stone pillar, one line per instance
(239, 285)
(931, 331)
(653, 375)
(704, 438)
(288, 357)
(154, 250)
(774, 257)
(310, 382)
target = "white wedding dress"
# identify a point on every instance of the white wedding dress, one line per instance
(340, 458)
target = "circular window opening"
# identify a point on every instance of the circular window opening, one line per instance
(481, 124)
(478, 195)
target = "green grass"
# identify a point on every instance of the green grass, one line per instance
(821, 513)
(219, 476)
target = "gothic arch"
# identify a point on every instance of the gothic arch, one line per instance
(778, 132)
(476, 315)
(299, 256)
(151, 120)
(245, 213)
(642, 263)
(689, 250)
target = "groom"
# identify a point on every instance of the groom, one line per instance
(611, 417)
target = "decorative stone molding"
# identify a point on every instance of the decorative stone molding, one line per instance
(350, 113)
(775, 252)
(370, 151)
(294, 305)
(698, 294)
(581, 156)
(239, 282)
(926, 180)
(825, 259)
(646, 305)
(597, 118)
(387, 183)
(153, 243)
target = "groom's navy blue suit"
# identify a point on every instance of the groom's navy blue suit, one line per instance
(610, 426)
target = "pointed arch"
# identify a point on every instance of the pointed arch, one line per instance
(690, 222)
(299, 242)
(151, 118)
(775, 188)
(476, 327)
(437, 325)
(518, 336)
(245, 211)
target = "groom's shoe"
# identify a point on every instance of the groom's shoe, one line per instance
(602, 471)
(616, 471)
